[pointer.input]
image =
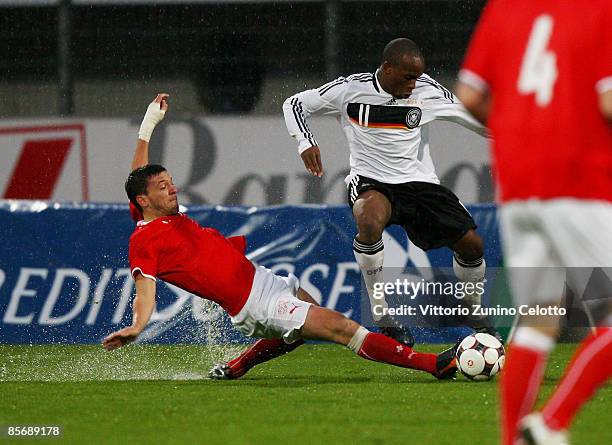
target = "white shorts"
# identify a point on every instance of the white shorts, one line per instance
(553, 242)
(272, 309)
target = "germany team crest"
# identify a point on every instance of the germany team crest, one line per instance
(413, 117)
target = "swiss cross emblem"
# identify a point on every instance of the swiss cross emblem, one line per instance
(282, 308)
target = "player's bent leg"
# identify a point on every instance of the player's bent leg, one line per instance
(469, 247)
(469, 266)
(325, 324)
(261, 351)
(372, 212)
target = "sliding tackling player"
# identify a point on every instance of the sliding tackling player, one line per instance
(168, 245)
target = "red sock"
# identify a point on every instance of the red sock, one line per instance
(261, 351)
(381, 348)
(519, 386)
(590, 367)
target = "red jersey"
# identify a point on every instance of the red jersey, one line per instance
(545, 62)
(200, 260)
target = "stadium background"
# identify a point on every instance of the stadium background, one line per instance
(76, 77)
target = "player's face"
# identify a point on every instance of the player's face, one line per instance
(399, 80)
(162, 195)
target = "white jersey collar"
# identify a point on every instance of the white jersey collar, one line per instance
(377, 86)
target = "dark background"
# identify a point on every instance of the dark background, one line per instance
(229, 50)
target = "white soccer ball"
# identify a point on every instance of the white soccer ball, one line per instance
(480, 356)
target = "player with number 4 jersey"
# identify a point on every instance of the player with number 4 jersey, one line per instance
(539, 73)
(550, 138)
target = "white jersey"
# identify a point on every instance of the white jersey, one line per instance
(388, 138)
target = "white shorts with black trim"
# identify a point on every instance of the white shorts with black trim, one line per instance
(551, 243)
(272, 309)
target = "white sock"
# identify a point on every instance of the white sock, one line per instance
(470, 272)
(370, 258)
(531, 338)
(357, 340)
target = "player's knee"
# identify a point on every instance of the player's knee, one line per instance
(372, 212)
(369, 223)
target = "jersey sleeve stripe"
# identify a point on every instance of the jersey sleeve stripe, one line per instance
(298, 114)
(367, 77)
(138, 269)
(325, 88)
(295, 114)
(362, 77)
(473, 80)
(308, 133)
(603, 85)
(328, 84)
(447, 94)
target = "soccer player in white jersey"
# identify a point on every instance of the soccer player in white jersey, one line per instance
(392, 178)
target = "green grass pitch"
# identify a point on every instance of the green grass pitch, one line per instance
(319, 394)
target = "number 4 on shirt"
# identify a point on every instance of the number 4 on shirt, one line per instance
(539, 68)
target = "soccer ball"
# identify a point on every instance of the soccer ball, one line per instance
(480, 356)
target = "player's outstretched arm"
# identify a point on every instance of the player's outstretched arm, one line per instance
(143, 306)
(154, 115)
(475, 101)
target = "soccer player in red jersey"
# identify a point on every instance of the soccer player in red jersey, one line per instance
(539, 74)
(170, 246)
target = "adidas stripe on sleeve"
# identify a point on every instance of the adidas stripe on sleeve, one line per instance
(327, 99)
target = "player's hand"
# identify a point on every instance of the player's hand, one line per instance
(154, 115)
(162, 99)
(312, 160)
(120, 338)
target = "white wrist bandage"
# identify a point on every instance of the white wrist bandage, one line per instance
(152, 117)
